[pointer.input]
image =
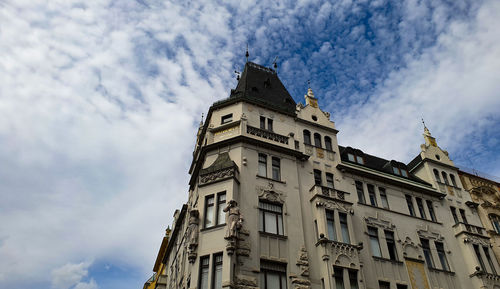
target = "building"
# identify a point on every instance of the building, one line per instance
(275, 202)
(159, 266)
(486, 193)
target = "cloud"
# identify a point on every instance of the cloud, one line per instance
(71, 275)
(100, 102)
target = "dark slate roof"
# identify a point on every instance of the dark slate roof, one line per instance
(414, 162)
(377, 163)
(223, 161)
(262, 85)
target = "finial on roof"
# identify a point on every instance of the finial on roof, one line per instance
(429, 140)
(275, 64)
(310, 99)
(167, 231)
(247, 54)
(201, 122)
(426, 130)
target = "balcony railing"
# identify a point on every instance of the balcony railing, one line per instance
(463, 227)
(267, 134)
(329, 192)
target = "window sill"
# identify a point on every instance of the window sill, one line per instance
(270, 179)
(213, 227)
(396, 212)
(282, 237)
(382, 259)
(441, 270)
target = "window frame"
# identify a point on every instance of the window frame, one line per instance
(330, 220)
(409, 203)
(373, 238)
(329, 177)
(371, 195)
(307, 137)
(209, 214)
(436, 175)
(318, 180)
(445, 265)
(262, 163)
(479, 257)
(201, 272)
(391, 245)
(488, 258)
(217, 262)
(338, 277)
(276, 166)
(344, 228)
(279, 221)
(317, 140)
(430, 208)
(220, 206)
(426, 248)
(360, 190)
(270, 124)
(273, 268)
(495, 222)
(383, 197)
(420, 207)
(454, 214)
(226, 118)
(262, 122)
(328, 143)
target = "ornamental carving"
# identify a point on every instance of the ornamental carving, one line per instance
(333, 205)
(378, 222)
(234, 223)
(476, 240)
(345, 254)
(303, 262)
(245, 282)
(193, 235)
(218, 175)
(270, 194)
(410, 248)
(487, 204)
(427, 234)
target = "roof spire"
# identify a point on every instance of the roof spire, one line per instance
(426, 130)
(310, 99)
(247, 54)
(429, 140)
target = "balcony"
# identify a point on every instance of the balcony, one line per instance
(328, 192)
(470, 229)
(267, 134)
(449, 189)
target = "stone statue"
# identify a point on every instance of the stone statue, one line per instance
(193, 234)
(234, 219)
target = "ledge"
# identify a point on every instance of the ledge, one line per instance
(388, 260)
(213, 227)
(399, 213)
(270, 179)
(224, 126)
(282, 237)
(441, 270)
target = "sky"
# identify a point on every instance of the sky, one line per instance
(100, 103)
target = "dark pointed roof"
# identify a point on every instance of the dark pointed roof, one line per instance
(223, 161)
(261, 85)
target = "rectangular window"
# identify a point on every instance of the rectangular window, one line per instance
(421, 209)
(329, 180)
(391, 245)
(361, 192)
(431, 210)
(271, 218)
(404, 173)
(276, 168)
(479, 258)
(272, 275)
(384, 285)
(383, 198)
(328, 143)
(330, 224)
(490, 261)
(454, 214)
(401, 286)
(442, 256)
(374, 243)
(359, 160)
(262, 122)
(495, 221)
(371, 194)
(226, 118)
(344, 228)
(262, 165)
(217, 272)
(351, 157)
(353, 279)
(209, 211)
(269, 124)
(462, 214)
(317, 177)
(409, 202)
(204, 265)
(221, 205)
(395, 170)
(427, 252)
(338, 274)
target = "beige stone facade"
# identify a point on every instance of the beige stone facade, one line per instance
(486, 193)
(275, 202)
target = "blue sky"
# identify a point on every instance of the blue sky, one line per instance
(100, 102)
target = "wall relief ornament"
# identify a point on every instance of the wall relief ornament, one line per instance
(410, 248)
(270, 194)
(379, 222)
(234, 222)
(217, 175)
(476, 240)
(333, 205)
(193, 232)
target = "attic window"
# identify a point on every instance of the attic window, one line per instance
(437, 157)
(255, 89)
(355, 158)
(315, 118)
(400, 172)
(226, 118)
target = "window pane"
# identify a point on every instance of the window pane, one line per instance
(384, 285)
(431, 210)
(404, 173)
(409, 202)
(371, 194)
(383, 198)
(452, 177)
(462, 214)
(328, 143)
(270, 223)
(276, 169)
(218, 276)
(361, 193)
(329, 180)
(317, 140)
(427, 253)
(307, 137)
(391, 245)
(209, 220)
(269, 124)
(261, 221)
(344, 228)
(262, 122)
(273, 280)
(359, 160)
(353, 279)
(442, 256)
(332, 235)
(350, 157)
(317, 177)
(280, 224)
(436, 175)
(420, 206)
(374, 243)
(262, 165)
(490, 261)
(445, 178)
(479, 258)
(339, 278)
(454, 214)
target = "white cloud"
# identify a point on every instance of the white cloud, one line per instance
(71, 275)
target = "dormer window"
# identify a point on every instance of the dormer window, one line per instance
(399, 171)
(355, 158)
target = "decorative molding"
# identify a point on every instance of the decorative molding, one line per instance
(270, 194)
(193, 233)
(379, 222)
(218, 175)
(333, 205)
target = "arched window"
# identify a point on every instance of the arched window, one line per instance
(328, 143)
(307, 137)
(317, 140)
(452, 177)
(436, 175)
(445, 178)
